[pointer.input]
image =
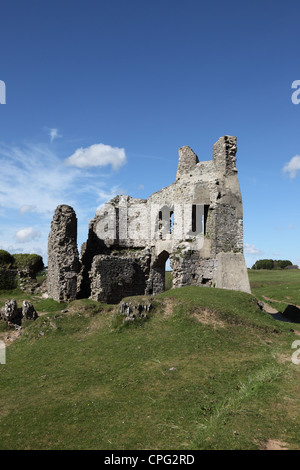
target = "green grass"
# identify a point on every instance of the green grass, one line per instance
(207, 370)
(282, 286)
(168, 280)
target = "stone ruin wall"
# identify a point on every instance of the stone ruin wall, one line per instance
(63, 258)
(196, 223)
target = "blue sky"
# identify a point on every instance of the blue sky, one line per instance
(101, 94)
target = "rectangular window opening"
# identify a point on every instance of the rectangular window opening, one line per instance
(194, 225)
(205, 218)
(199, 217)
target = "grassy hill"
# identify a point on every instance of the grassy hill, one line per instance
(207, 370)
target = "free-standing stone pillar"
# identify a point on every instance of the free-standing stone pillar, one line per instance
(63, 258)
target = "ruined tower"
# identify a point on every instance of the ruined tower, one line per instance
(196, 223)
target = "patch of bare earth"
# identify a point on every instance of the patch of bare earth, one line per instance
(208, 317)
(10, 336)
(205, 316)
(283, 358)
(168, 306)
(274, 444)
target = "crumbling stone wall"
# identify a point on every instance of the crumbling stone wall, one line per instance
(196, 223)
(114, 277)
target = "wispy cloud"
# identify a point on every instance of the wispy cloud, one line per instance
(27, 234)
(292, 167)
(104, 196)
(27, 208)
(53, 134)
(33, 178)
(97, 155)
(284, 228)
(251, 249)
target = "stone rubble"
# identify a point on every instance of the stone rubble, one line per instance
(132, 312)
(28, 311)
(14, 315)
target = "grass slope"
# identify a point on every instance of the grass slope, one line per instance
(207, 370)
(279, 288)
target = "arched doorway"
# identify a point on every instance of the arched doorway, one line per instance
(158, 273)
(168, 275)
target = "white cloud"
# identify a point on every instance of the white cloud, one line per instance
(251, 249)
(27, 208)
(27, 234)
(292, 166)
(53, 133)
(110, 194)
(97, 155)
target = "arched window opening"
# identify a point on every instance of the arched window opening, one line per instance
(171, 221)
(160, 224)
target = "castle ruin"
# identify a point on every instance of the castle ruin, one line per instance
(196, 223)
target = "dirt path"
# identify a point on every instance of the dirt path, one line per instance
(275, 313)
(269, 309)
(273, 444)
(278, 301)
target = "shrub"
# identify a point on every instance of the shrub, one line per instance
(6, 259)
(271, 264)
(284, 263)
(8, 279)
(31, 263)
(264, 264)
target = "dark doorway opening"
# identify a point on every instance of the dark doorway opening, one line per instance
(158, 274)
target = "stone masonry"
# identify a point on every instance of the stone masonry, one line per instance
(63, 258)
(196, 223)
